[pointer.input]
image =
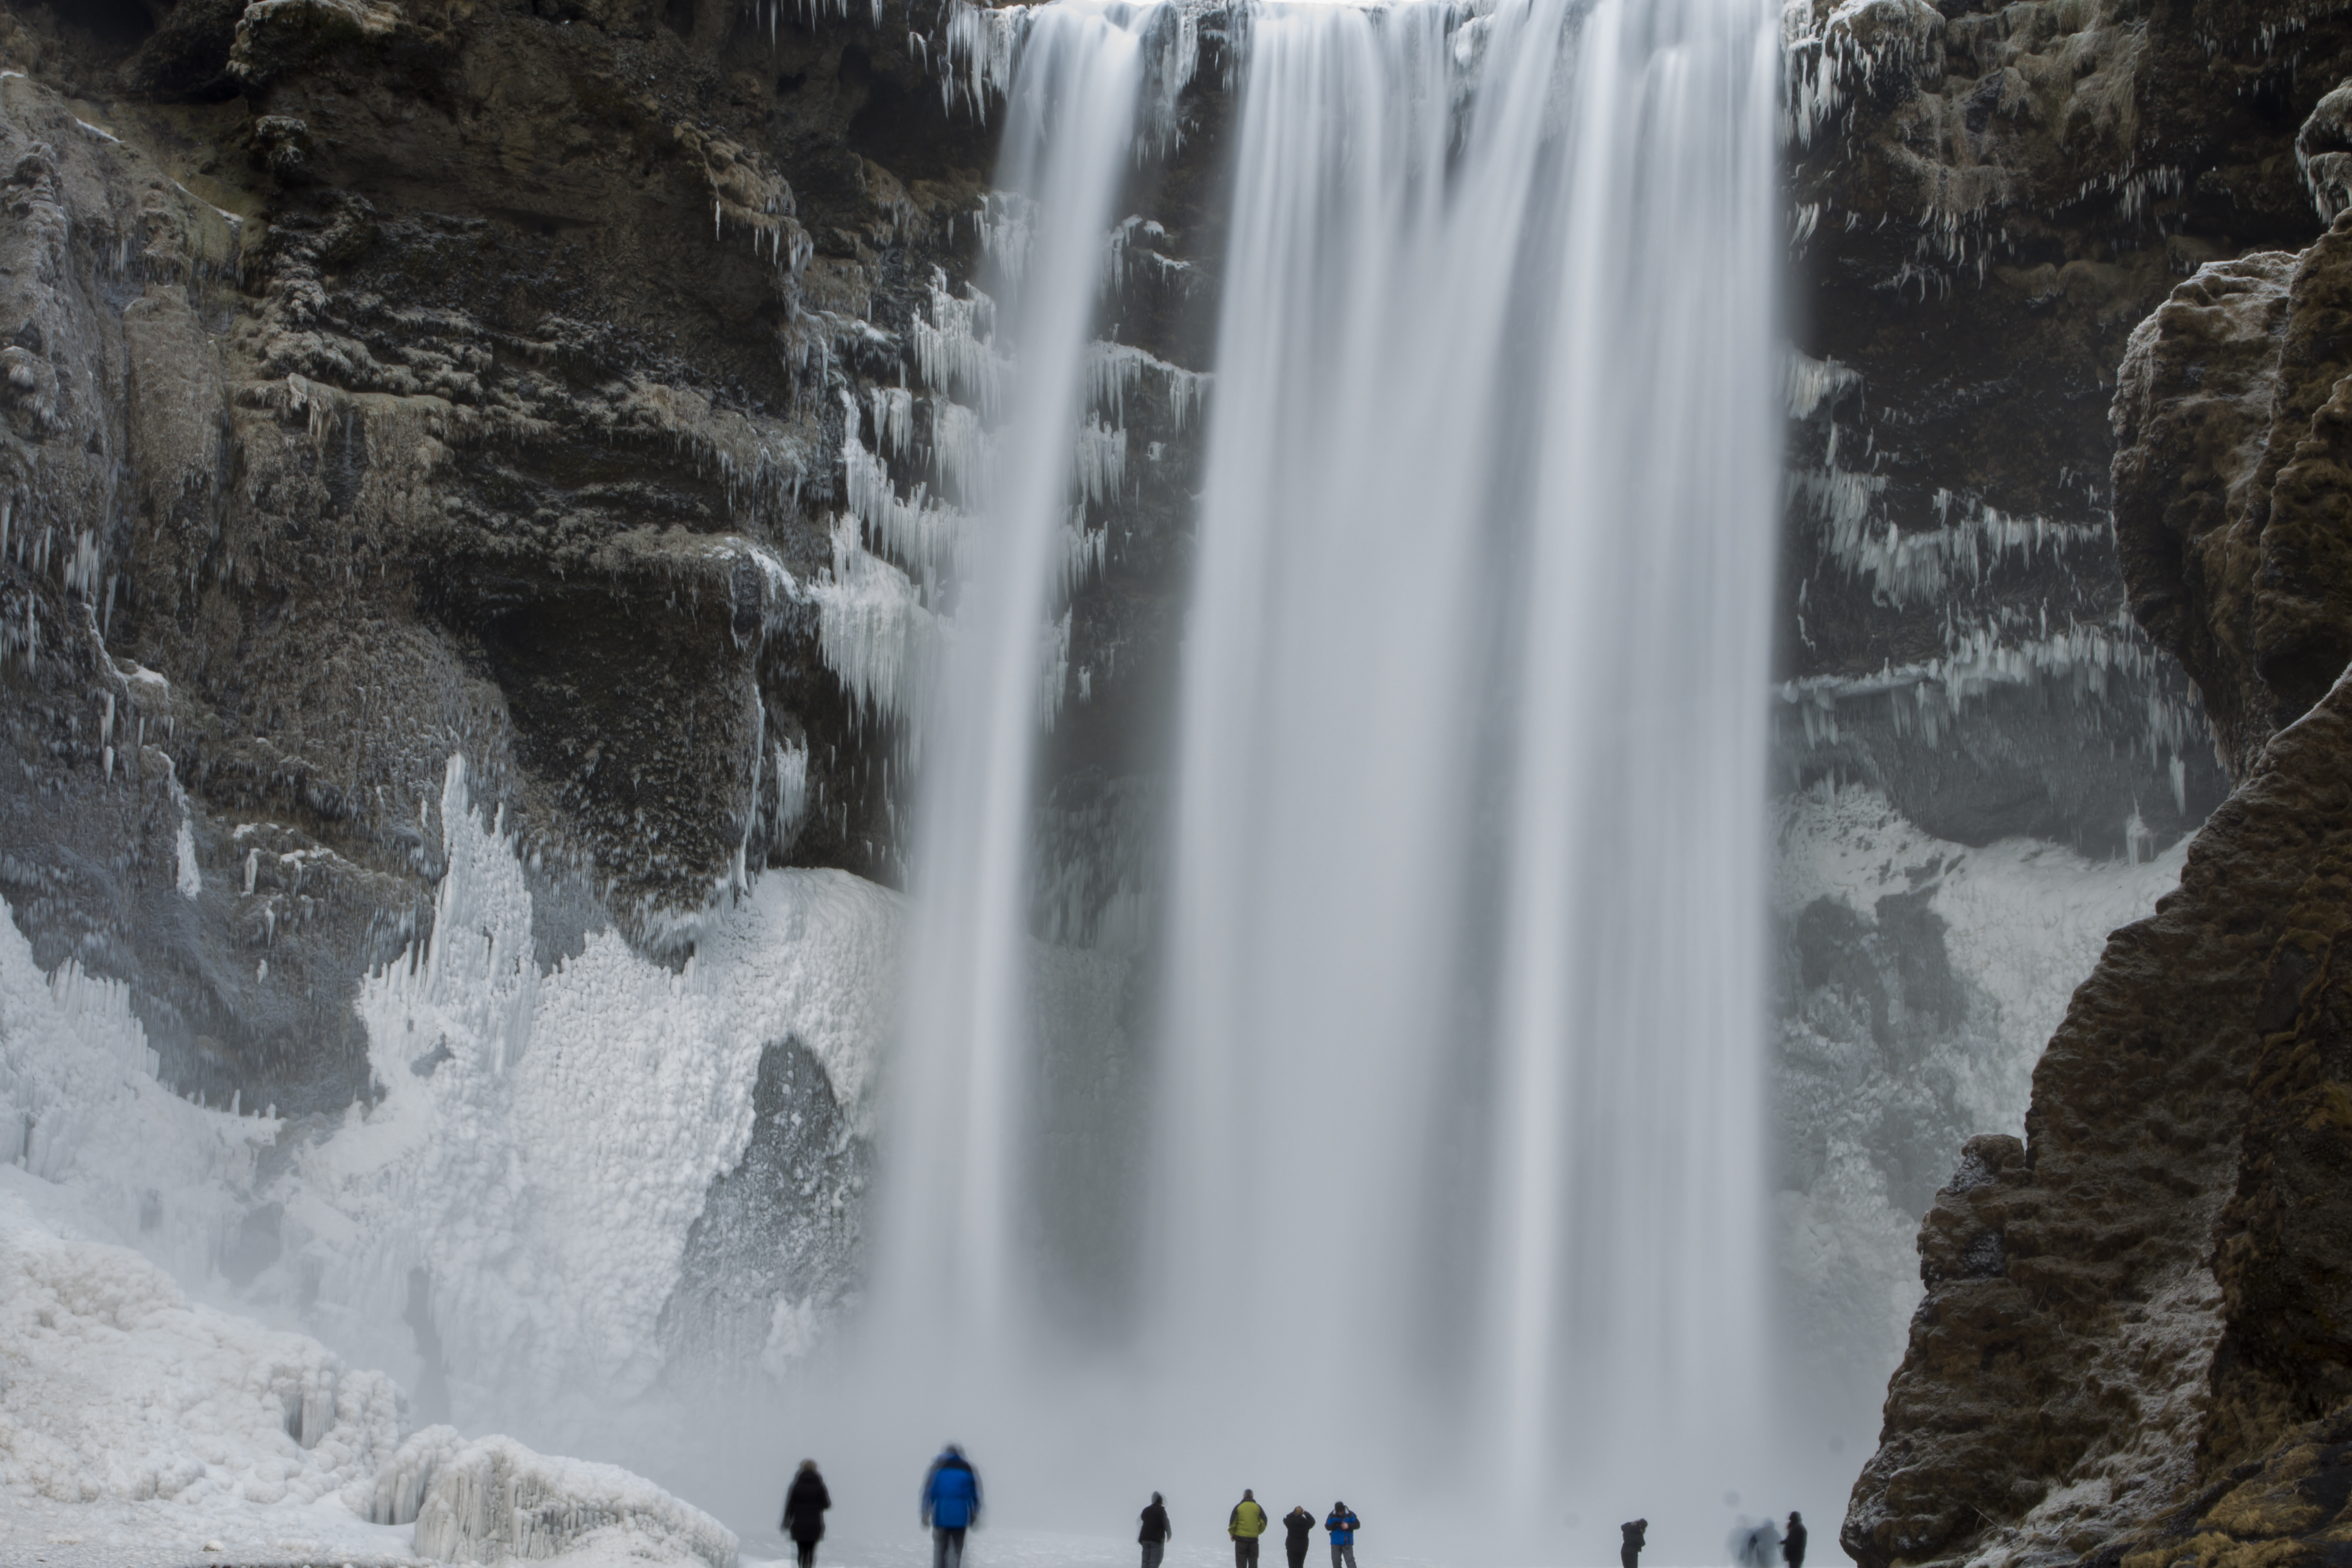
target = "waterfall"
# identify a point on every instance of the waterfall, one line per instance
(1456, 1114)
(1466, 997)
(949, 1259)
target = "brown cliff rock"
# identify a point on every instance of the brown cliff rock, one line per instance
(2080, 1346)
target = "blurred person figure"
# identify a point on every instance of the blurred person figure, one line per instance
(1245, 1525)
(1634, 1531)
(1343, 1525)
(804, 1506)
(1298, 1531)
(1156, 1531)
(1792, 1545)
(950, 1505)
(1754, 1545)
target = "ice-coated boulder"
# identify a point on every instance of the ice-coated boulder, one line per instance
(492, 1500)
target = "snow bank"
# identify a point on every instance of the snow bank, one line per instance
(116, 1387)
(147, 1427)
(492, 1499)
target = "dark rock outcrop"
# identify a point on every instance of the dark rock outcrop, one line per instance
(2164, 1303)
(2232, 484)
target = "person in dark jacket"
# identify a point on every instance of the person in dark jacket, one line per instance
(1245, 1525)
(1156, 1531)
(950, 1505)
(1792, 1545)
(1634, 1531)
(804, 1507)
(1297, 1534)
(1343, 1525)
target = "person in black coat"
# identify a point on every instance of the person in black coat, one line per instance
(1156, 1531)
(1297, 1534)
(804, 1507)
(1635, 1530)
(1792, 1545)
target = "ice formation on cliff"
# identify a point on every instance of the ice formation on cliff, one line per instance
(1955, 967)
(542, 1143)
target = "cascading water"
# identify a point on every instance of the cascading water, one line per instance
(1455, 1120)
(1467, 1001)
(949, 1256)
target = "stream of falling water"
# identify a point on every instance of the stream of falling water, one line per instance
(1466, 979)
(949, 1254)
(1455, 1118)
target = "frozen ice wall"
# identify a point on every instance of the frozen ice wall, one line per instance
(1922, 978)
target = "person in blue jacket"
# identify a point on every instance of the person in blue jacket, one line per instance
(950, 1505)
(1343, 1525)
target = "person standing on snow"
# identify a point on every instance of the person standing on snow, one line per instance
(1343, 1525)
(1245, 1525)
(1792, 1545)
(1156, 1531)
(804, 1507)
(1634, 1531)
(950, 1505)
(1299, 1532)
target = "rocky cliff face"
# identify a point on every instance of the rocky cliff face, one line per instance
(386, 382)
(2131, 1316)
(1987, 202)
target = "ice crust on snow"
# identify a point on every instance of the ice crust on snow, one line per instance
(136, 1422)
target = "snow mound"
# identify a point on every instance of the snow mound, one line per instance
(114, 1387)
(492, 1499)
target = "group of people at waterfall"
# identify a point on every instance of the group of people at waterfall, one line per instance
(1249, 1521)
(950, 1506)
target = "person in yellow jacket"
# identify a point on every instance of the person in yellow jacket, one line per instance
(1246, 1523)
